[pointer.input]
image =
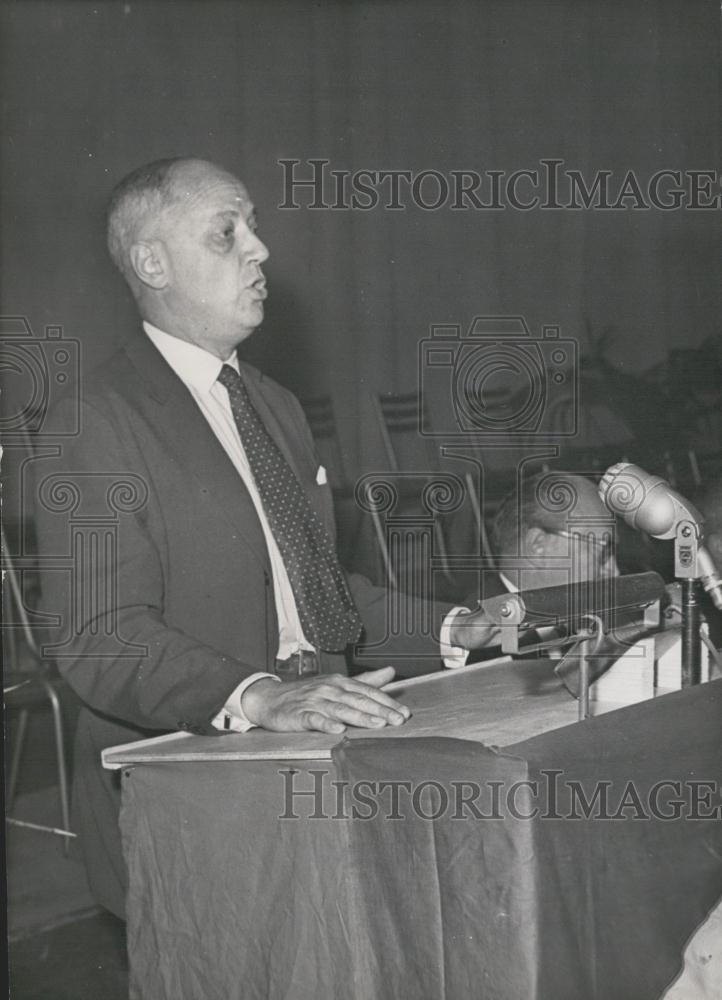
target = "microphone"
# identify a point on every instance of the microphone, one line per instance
(648, 503)
(613, 600)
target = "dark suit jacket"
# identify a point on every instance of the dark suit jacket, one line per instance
(170, 603)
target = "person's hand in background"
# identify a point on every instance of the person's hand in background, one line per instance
(472, 630)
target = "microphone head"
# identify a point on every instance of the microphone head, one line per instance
(626, 490)
(607, 480)
(646, 502)
(650, 504)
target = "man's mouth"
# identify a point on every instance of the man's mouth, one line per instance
(258, 287)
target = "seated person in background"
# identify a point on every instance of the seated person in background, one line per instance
(553, 532)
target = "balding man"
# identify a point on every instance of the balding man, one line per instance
(222, 577)
(552, 532)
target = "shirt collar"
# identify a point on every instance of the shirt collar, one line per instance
(195, 367)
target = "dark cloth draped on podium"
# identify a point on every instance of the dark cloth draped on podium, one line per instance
(504, 906)
(231, 897)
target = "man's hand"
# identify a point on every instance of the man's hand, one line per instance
(326, 704)
(471, 630)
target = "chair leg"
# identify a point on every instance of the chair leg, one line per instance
(60, 751)
(16, 758)
(441, 549)
(355, 542)
(383, 549)
(479, 518)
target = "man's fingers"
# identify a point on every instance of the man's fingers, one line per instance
(387, 711)
(317, 722)
(471, 630)
(358, 706)
(372, 680)
(354, 714)
(324, 704)
(359, 687)
(377, 678)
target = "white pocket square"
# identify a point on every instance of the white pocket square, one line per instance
(321, 477)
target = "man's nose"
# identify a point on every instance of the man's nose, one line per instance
(257, 251)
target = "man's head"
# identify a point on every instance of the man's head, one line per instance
(554, 531)
(183, 234)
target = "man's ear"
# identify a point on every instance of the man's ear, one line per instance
(535, 542)
(150, 263)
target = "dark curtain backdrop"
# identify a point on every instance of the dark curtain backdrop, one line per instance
(90, 90)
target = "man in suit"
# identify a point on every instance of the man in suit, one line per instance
(199, 520)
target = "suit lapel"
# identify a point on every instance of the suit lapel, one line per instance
(174, 414)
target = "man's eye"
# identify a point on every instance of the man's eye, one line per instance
(225, 236)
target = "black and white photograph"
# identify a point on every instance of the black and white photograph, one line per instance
(361, 443)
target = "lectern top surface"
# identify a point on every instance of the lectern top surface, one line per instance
(495, 703)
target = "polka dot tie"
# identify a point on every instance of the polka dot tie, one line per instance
(325, 607)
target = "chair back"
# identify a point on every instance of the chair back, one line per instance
(399, 417)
